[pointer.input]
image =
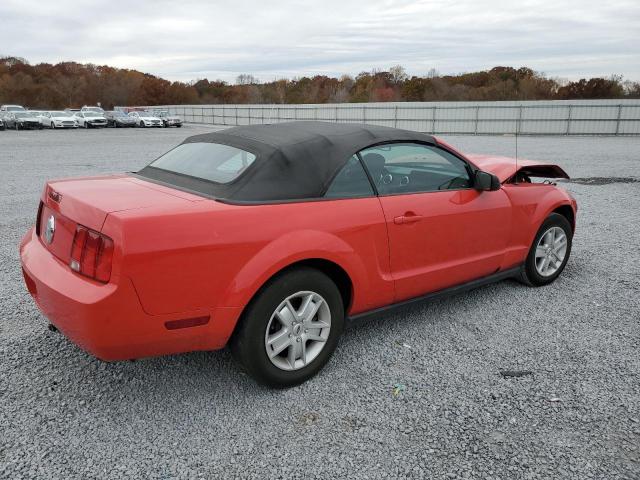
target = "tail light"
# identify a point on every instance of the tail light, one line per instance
(91, 254)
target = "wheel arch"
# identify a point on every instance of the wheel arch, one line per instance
(331, 269)
(335, 272)
(567, 212)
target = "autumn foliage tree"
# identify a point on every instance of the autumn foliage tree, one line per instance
(71, 84)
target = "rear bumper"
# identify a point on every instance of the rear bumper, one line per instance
(107, 320)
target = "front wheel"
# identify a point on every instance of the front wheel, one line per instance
(141, 124)
(290, 329)
(549, 252)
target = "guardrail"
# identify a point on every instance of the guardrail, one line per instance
(480, 118)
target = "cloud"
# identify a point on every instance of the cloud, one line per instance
(188, 39)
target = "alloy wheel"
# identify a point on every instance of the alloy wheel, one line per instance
(298, 330)
(551, 251)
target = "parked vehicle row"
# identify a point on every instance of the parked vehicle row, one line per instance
(18, 118)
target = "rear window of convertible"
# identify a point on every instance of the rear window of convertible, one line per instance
(208, 161)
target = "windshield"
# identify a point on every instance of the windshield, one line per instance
(208, 161)
(92, 109)
(91, 114)
(60, 114)
(23, 115)
(15, 109)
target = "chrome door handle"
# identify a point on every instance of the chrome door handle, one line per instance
(403, 219)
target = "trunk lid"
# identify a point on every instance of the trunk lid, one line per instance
(87, 201)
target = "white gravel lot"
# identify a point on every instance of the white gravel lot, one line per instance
(64, 414)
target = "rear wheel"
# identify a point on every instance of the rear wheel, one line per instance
(549, 252)
(141, 124)
(290, 329)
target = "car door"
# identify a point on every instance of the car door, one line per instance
(442, 232)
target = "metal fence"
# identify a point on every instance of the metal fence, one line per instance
(603, 117)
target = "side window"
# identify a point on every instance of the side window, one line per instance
(412, 167)
(351, 181)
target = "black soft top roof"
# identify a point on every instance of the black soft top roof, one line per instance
(294, 160)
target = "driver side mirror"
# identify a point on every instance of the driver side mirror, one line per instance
(486, 181)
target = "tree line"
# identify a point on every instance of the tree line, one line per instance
(71, 84)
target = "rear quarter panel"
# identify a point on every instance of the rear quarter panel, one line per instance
(212, 254)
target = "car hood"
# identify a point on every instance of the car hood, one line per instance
(62, 119)
(505, 167)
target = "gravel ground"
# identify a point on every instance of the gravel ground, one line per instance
(413, 394)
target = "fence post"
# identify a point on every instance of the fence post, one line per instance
(395, 117)
(224, 114)
(477, 115)
(236, 111)
(278, 113)
(519, 122)
(262, 114)
(618, 120)
(336, 113)
(364, 114)
(315, 112)
(569, 121)
(433, 121)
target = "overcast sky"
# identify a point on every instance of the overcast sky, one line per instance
(186, 40)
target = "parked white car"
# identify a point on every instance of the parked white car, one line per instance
(146, 119)
(92, 109)
(12, 108)
(37, 114)
(90, 119)
(168, 119)
(58, 119)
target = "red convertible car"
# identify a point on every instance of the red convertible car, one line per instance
(267, 237)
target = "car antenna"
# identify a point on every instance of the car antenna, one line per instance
(516, 174)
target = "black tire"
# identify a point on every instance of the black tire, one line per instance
(86, 125)
(248, 341)
(53, 126)
(141, 124)
(530, 274)
(179, 125)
